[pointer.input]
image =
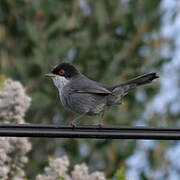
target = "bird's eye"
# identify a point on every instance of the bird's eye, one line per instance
(61, 72)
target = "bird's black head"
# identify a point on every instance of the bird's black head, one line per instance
(65, 69)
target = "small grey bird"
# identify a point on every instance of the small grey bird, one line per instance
(87, 97)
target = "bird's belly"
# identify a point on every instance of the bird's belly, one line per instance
(97, 109)
(83, 102)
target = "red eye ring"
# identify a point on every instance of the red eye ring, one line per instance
(61, 72)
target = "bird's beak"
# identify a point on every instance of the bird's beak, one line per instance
(49, 75)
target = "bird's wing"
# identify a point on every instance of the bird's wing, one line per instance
(94, 89)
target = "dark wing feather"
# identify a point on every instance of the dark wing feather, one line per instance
(95, 89)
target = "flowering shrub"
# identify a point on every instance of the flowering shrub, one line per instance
(58, 170)
(13, 102)
(13, 151)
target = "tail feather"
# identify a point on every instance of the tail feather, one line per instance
(141, 80)
(122, 89)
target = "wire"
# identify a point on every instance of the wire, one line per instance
(92, 131)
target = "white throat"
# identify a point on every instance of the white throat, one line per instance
(60, 82)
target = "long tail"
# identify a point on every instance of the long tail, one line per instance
(122, 89)
(140, 80)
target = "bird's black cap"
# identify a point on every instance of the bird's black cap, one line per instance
(65, 69)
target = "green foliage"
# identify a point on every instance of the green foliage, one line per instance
(61, 178)
(119, 175)
(2, 79)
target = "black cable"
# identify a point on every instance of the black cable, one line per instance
(91, 131)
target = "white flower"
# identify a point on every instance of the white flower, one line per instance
(80, 172)
(60, 165)
(4, 170)
(58, 168)
(97, 176)
(13, 102)
(13, 105)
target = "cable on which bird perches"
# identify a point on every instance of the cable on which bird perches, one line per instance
(91, 131)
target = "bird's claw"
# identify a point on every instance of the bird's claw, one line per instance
(73, 124)
(100, 124)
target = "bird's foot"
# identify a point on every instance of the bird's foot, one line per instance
(100, 124)
(73, 123)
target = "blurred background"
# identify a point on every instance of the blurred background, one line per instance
(111, 42)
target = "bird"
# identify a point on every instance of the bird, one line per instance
(84, 96)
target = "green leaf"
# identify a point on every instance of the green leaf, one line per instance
(119, 175)
(2, 79)
(33, 32)
(61, 178)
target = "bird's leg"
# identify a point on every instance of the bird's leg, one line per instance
(74, 121)
(102, 116)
